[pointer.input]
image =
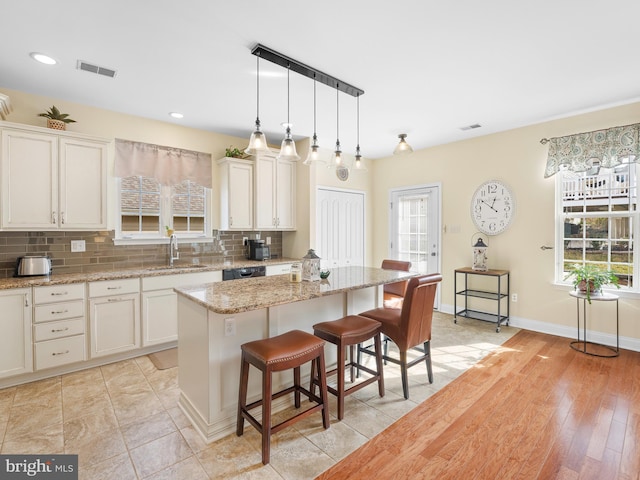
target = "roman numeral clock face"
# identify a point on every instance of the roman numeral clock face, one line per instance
(492, 207)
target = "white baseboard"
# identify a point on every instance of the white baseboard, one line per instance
(628, 343)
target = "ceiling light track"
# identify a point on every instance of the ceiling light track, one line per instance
(310, 72)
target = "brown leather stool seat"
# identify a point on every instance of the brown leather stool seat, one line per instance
(348, 332)
(275, 354)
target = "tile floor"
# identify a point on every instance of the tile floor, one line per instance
(123, 421)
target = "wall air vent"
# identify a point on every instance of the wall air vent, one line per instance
(470, 127)
(88, 67)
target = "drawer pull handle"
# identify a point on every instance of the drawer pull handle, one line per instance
(59, 312)
(114, 288)
(59, 293)
(60, 353)
(56, 330)
(114, 299)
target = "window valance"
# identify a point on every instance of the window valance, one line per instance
(170, 166)
(606, 148)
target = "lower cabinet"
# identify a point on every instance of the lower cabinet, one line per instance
(59, 325)
(160, 304)
(114, 319)
(15, 340)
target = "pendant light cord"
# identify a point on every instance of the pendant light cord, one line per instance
(258, 89)
(314, 104)
(288, 71)
(358, 122)
(337, 115)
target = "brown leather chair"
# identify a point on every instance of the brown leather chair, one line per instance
(410, 326)
(394, 292)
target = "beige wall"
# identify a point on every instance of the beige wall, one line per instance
(517, 158)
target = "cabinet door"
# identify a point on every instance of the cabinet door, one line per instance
(83, 184)
(285, 197)
(15, 342)
(159, 317)
(240, 196)
(266, 174)
(115, 324)
(29, 180)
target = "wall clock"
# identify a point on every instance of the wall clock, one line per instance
(342, 173)
(492, 207)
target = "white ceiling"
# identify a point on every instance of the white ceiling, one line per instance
(427, 67)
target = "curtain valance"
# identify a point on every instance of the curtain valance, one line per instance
(608, 148)
(170, 166)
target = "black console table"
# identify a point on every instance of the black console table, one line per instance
(498, 295)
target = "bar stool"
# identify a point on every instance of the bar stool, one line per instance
(348, 332)
(289, 350)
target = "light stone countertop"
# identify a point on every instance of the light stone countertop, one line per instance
(262, 292)
(149, 271)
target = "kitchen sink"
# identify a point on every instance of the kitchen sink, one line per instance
(175, 267)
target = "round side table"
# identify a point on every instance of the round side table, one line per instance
(581, 345)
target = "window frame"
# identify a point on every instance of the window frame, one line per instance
(166, 216)
(560, 216)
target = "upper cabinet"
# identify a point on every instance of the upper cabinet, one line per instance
(275, 193)
(236, 194)
(52, 181)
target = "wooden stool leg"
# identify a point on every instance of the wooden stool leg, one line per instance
(351, 362)
(313, 378)
(324, 395)
(378, 349)
(296, 384)
(341, 365)
(266, 415)
(242, 396)
(403, 372)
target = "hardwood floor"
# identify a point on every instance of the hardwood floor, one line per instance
(535, 409)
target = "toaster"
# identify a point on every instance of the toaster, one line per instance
(33, 265)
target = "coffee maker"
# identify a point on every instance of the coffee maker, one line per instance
(258, 250)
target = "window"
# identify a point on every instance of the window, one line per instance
(148, 208)
(597, 221)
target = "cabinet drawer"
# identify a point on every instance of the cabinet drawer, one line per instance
(53, 353)
(58, 293)
(63, 328)
(278, 269)
(114, 287)
(58, 311)
(172, 281)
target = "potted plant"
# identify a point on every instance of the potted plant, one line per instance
(56, 119)
(234, 152)
(589, 278)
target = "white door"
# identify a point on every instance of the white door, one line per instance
(340, 228)
(415, 227)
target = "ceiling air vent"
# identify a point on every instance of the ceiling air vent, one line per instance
(470, 127)
(88, 67)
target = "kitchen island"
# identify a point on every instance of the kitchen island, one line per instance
(215, 319)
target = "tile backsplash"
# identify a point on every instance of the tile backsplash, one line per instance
(102, 255)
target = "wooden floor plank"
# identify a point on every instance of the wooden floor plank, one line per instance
(536, 409)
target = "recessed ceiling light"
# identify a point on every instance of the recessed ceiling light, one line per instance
(176, 114)
(42, 58)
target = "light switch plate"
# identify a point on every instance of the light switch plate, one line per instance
(78, 246)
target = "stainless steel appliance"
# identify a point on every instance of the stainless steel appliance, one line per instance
(258, 250)
(247, 272)
(32, 265)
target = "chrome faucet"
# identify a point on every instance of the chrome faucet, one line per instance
(173, 249)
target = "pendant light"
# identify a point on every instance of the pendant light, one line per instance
(336, 158)
(258, 140)
(403, 147)
(358, 165)
(288, 146)
(314, 150)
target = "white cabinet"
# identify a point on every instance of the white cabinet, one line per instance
(114, 316)
(15, 341)
(275, 193)
(236, 194)
(52, 180)
(59, 325)
(160, 306)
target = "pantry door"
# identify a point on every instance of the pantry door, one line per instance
(340, 228)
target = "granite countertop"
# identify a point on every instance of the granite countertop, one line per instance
(261, 292)
(148, 271)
